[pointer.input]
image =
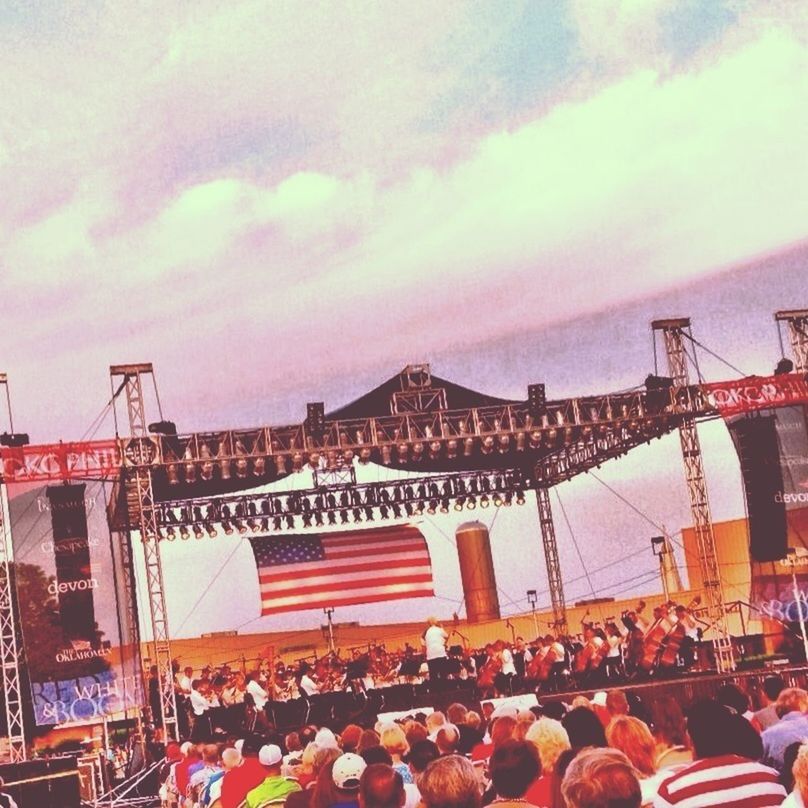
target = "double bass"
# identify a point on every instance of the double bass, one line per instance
(676, 637)
(489, 670)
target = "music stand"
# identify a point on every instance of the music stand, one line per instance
(410, 667)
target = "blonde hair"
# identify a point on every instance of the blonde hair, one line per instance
(550, 739)
(633, 738)
(393, 739)
(598, 777)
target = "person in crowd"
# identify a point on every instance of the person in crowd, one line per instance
(346, 775)
(255, 688)
(550, 739)
(447, 739)
(377, 754)
(368, 738)
(555, 709)
(393, 739)
(524, 721)
(275, 787)
(733, 697)
(381, 787)
(349, 738)
(502, 729)
(211, 795)
(457, 714)
(181, 772)
(304, 773)
(247, 775)
(421, 754)
(434, 721)
(789, 759)
(601, 778)
(616, 703)
(718, 776)
(415, 732)
(513, 767)
(767, 716)
(798, 797)
(632, 737)
(322, 759)
(450, 782)
(201, 777)
(792, 704)
(584, 728)
(562, 764)
(670, 733)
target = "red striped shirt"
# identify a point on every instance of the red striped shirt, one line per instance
(724, 780)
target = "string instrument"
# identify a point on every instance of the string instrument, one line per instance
(636, 641)
(550, 658)
(534, 667)
(584, 657)
(675, 639)
(660, 629)
(488, 672)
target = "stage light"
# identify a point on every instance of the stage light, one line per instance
(535, 440)
(318, 519)
(228, 528)
(458, 506)
(468, 447)
(331, 501)
(417, 452)
(253, 525)
(434, 450)
(497, 499)
(344, 518)
(171, 473)
(290, 520)
(520, 441)
(332, 518)
(314, 460)
(171, 534)
(384, 511)
(460, 486)
(433, 506)
(356, 497)
(369, 514)
(357, 515)
(198, 532)
(484, 501)
(419, 508)
(280, 465)
(211, 531)
(365, 455)
(344, 499)
(485, 484)
(348, 457)
(408, 509)
(184, 534)
(504, 444)
(266, 506)
(396, 512)
(487, 445)
(422, 491)
(520, 496)
(277, 523)
(306, 520)
(507, 500)
(473, 486)
(241, 460)
(259, 466)
(387, 458)
(190, 471)
(536, 400)
(206, 469)
(471, 503)
(451, 449)
(403, 451)
(225, 465)
(197, 511)
(319, 502)
(444, 506)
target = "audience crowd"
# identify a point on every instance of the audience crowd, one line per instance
(612, 751)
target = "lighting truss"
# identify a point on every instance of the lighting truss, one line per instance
(339, 504)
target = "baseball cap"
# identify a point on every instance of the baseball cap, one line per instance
(347, 770)
(270, 755)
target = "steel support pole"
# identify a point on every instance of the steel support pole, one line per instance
(9, 651)
(554, 581)
(673, 333)
(797, 325)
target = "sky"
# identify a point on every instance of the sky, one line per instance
(279, 202)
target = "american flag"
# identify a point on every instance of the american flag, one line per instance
(312, 571)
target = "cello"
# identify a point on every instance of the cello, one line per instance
(676, 637)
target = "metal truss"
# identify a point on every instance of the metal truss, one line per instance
(139, 493)
(797, 324)
(673, 333)
(554, 580)
(347, 501)
(9, 656)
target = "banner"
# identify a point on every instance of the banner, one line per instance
(756, 393)
(70, 593)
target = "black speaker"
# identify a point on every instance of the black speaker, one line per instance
(755, 439)
(536, 400)
(48, 783)
(315, 418)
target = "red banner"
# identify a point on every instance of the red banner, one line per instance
(757, 393)
(95, 460)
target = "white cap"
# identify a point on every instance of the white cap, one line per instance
(270, 755)
(599, 698)
(239, 744)
(348, 770)
(326, 739)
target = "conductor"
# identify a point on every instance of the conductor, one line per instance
(434, 641)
